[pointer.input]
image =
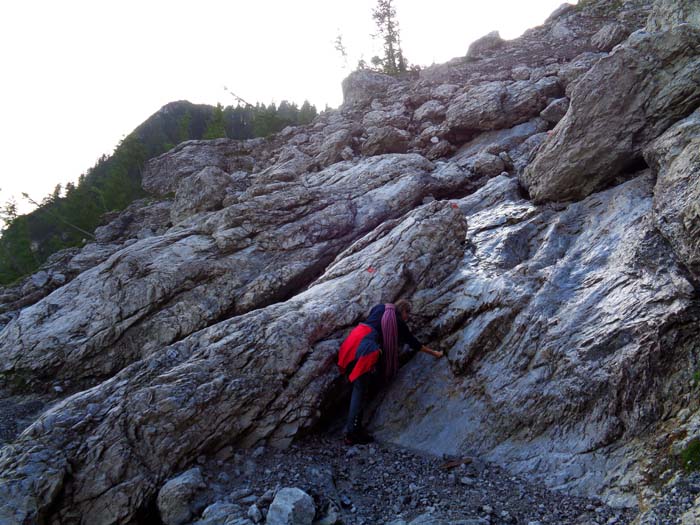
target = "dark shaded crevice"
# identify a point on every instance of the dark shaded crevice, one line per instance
(148, 514)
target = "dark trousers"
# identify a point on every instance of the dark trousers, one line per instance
(357, 398)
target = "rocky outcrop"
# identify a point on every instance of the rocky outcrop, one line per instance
(675, 156)
(486, 43)
(624, 102)
(256, 376)
(211, 319)
(273, 240)
(360, 86)
(545, 352)
(498, 105)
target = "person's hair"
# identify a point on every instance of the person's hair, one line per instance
(403, 306)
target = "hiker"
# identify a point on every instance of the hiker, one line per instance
(373, 348)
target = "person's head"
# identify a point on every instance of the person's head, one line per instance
(403, 307)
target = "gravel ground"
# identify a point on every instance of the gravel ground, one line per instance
(380, 483)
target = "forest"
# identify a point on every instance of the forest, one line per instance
(68, 216)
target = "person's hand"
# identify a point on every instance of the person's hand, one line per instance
(432, 352)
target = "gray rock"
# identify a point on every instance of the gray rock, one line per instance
(670, 13)
(362, 85)
(163, 174)
(203, 191)
(556, 110)
(609, 36)
(675, 156)
(485, 45)
(518, 266)
(229, 381)
(291, 506)
(222, 514)
(495, 105)
(521, 73)
(177, 499)
(332, 148)
(254, 514)
(487, 165)
(623, 103)
(433, 111)
(40, 278)
(385, 140)
(570, 73)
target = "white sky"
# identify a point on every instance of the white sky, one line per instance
(79, 75)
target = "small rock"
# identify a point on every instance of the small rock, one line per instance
(291, 506)
(254, 514)
(176, 500)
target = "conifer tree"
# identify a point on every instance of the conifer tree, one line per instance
(393, 61)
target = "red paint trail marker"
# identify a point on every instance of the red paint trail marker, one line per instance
(371, 270)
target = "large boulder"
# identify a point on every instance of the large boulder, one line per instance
(177, 499)
(623, 103)
(361, 86)
(485, 45)
(385, 139)
(163, 174)
(676, 158)
(497, 105)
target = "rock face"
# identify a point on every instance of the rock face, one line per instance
(211, 318)
(623, 103)
(675, 156)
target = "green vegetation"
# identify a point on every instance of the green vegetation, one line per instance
(393, 61)
(67, 216)
(690, 455)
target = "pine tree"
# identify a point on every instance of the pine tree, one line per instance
(393, 61)
(215, 127)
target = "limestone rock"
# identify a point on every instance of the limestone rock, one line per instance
(609, 36)
(253, 377)
(481, 47)
(362, 85)
(545, 331)
(573, 71)
(496, 105)
(177, 499)
(385, 140)
(203, 191)
(623, 103)
(432, 110)
(676, 158)
(163, 174)
(488, 165)
(521, 73)
(139, 220)
(670, 13)
(332, 148)
(291, 506)
(556, 110)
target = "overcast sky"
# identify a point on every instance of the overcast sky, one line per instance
(79, 75)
